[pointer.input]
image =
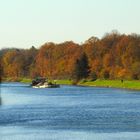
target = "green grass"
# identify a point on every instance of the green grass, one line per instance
(61, 82)
(25, 80)
(64, 82)
(113, 83)
(128, 84)
(15, 79)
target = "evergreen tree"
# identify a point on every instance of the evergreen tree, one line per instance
(81, 69)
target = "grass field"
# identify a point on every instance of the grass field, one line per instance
(128, 84)
(64, 82)
(26, 80)
(113, 83)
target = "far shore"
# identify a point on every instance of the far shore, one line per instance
(125, 84)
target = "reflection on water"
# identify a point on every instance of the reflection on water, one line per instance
(69, 112)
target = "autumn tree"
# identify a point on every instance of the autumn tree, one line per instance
(114, 56)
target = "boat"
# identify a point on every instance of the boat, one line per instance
(43, 83)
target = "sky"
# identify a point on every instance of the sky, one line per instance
(26, 23)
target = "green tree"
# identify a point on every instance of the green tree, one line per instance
(81, 69)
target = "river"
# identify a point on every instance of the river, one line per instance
(68, 113)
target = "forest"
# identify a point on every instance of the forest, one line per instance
(114, 56)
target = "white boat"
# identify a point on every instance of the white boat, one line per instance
(42, 83)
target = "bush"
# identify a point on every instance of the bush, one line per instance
(93, 76)
(105, 74)
(135, 76)
(74, 82)
(83, 80)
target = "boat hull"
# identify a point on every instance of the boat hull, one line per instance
(47, 86)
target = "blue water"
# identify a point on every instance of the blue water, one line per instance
(68, 113)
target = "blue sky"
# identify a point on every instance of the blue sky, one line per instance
(24, 23)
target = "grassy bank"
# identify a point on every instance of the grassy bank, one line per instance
(13, 79)
(61, 82)
(29, 80)
(64, 82)
(113, 83)
(127, 84)
(26, 80)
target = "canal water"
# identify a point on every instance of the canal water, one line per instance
(68, 113)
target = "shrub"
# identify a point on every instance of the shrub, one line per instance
(93, 76)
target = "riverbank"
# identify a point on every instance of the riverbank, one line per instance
(126, 84)
(22, 80)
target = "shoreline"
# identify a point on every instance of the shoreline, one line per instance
(128, 85)
(123, 88)
(117, 84)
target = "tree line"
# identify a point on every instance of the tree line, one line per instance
(115, 56)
